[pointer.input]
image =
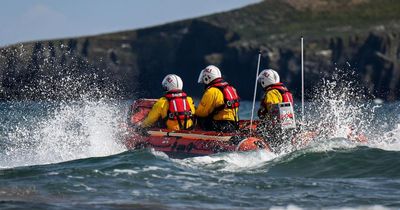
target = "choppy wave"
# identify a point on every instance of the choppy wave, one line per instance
(360, 176)
(69, 155)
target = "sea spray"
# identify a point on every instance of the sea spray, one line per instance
(80, 130)
(64, 131)
(339, 107)
(66, 109)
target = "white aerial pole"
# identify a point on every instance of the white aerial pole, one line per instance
(255, 92)
(302, 79)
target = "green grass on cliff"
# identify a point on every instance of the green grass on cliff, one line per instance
(271, 19)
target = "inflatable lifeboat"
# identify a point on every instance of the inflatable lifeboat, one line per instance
(197, 142)
(181, 144)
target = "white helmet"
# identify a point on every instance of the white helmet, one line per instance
(268, 77)
(172, 82)
(209, 74)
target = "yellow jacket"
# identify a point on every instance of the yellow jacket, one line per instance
(270, 97)
(160, 111)
(214, 98)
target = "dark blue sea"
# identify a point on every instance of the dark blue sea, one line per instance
(68, 155)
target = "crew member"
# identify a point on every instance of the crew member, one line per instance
(275, 92)
(175, 108)
(218, 108)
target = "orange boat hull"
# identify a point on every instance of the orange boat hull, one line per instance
(193, 143)
(186, 143)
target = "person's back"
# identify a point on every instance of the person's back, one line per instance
(275, 92)
(175, 108)
(277, 99)
(219, 104)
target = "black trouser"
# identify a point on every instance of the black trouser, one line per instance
(225, 126)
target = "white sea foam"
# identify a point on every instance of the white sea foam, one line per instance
(125, 171)
(72, 131)
(389, 140)
(235, 161)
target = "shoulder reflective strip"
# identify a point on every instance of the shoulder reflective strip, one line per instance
(174, 102)
(184, 104)
(287, 98)
(229, 92)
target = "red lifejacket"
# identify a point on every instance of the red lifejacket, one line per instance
(286, 94)
(231, 98)
(179, 108)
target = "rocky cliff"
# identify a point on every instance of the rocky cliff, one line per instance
(362, 35)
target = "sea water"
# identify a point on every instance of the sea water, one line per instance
(68, 155)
